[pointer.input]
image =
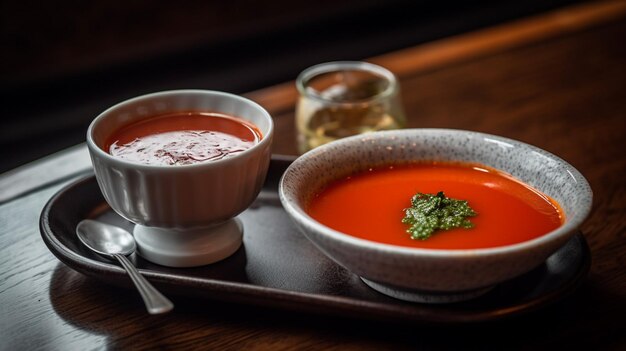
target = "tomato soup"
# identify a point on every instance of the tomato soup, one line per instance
(183, 138)
(370, 205)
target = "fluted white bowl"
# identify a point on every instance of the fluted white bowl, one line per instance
(187, 196)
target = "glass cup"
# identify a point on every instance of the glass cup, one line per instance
(340, 99)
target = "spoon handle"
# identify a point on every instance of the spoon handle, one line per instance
(155, 302)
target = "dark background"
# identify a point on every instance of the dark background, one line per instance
(64, 62)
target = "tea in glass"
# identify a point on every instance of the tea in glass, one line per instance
(340, 99)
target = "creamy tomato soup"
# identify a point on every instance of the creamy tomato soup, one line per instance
(371, 204)
(183, 138)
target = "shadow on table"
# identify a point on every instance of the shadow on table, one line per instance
(95, 307)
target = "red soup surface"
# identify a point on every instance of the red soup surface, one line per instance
(183, 138)
(370, 205)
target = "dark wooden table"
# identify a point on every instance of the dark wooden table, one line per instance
(557, 81)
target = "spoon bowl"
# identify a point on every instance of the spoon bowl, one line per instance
(115, 242)
(105, 239)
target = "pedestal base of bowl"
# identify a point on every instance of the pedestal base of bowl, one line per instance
(189, 248)
(425, 296)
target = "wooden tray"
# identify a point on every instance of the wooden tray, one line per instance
(278, 267)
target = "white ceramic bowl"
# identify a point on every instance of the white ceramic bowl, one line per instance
(183, 213)
(187, 196)
(428, 275)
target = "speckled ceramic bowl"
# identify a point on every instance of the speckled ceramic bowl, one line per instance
(427, 275)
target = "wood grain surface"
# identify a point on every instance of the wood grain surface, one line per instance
(565, 93)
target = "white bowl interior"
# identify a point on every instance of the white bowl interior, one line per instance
(173, 101)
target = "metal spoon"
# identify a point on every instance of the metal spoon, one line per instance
(112, 241)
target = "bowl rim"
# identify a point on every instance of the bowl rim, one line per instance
(312, 72)
(99, 152)
(299, 215)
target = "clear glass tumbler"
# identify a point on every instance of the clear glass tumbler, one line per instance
(340, 99)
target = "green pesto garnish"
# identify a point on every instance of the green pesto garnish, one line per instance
(429, 213)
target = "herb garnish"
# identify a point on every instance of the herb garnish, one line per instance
(429, 213)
